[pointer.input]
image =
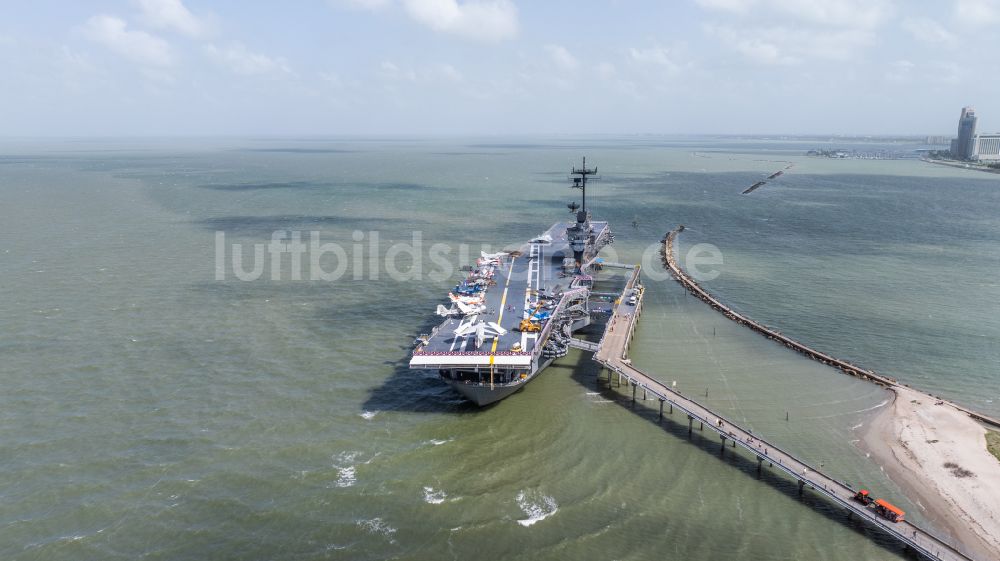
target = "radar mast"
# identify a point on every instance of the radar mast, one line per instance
(579, 177)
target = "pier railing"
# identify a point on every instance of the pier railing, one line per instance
(630, 286)
(612, 354)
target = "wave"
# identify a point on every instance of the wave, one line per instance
(377, 526)
(347, 476)
(536, 507)
(883, 403)
(346, 466)
(368, 415)
(434, 497)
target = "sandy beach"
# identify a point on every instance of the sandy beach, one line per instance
(938, 455)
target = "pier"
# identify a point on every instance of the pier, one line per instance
(667, 253)
(612, 353)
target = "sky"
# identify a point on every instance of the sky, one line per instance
(496, 67)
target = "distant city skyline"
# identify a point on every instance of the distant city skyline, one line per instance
(479, 67)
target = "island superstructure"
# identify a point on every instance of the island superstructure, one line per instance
(515, 311)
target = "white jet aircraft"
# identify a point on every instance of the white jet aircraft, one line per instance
(496, 257)
(481, 329)
(470, 309)
(471, 300)
(460, 309)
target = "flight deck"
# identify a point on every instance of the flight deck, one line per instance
(521, 280)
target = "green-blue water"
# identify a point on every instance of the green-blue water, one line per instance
(150, 410)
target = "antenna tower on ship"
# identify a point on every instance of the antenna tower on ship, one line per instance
(579, 177)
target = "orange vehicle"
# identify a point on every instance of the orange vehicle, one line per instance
(864, 497)
(888, 511)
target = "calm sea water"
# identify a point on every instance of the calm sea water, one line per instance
(150, 410)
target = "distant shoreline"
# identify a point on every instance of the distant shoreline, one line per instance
(961, 165)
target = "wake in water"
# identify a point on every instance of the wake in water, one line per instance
(595, 397)
(536, 507)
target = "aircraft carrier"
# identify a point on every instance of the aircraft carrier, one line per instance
(514, 312)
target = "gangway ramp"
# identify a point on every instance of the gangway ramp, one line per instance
(582, 345)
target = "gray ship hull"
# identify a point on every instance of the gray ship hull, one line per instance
(485, 394)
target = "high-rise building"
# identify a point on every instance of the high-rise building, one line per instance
(987, 148)
(964, 146)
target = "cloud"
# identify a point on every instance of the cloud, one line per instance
(331, 79)
(372, 5)
(483, 20)
(606, 70)
(562, 57)
(735, 6)
(900, 71)
(947, 72)
(841, 13)
(788, 32)
(758, 47)
(432, 73)
(927, 30)
(977, 12)
(139, 46)
(448, 72)
(390, 71)
(764, 52)
(78, 71)
(656, 55)
(173, 15)
(72, 61)
(239, 60)
(786, 46)
(944, 74)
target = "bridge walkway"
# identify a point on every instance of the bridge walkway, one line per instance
(612, 354)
